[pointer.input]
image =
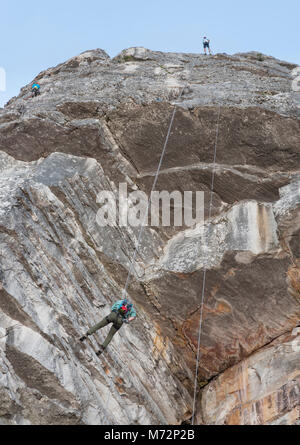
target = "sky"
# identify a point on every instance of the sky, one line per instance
(36, 36)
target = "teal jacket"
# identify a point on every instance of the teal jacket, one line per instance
(118, 304)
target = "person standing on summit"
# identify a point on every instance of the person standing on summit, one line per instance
(206, 45)
(121, 312)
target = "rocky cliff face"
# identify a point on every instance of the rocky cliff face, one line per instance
(100, 122)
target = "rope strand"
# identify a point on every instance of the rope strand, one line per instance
(205, 270)
(209, 217)
(154, 185)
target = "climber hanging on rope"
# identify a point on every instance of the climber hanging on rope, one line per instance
(206, 45)
(121, 312)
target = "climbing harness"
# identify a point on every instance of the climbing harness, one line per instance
(205, 270)
(136, 251)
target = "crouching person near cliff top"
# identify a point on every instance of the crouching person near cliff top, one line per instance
(121, 312)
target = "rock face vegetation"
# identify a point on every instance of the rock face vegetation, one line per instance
(100, 122)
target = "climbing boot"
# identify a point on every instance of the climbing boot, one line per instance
(101, 350)
(84, 337)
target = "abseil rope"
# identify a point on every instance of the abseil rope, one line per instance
(210, 213)
(205, 270)
(154, 185)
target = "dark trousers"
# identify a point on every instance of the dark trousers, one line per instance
(35, 93)
(114, 318)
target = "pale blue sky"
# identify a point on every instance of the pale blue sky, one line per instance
(36, 36)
